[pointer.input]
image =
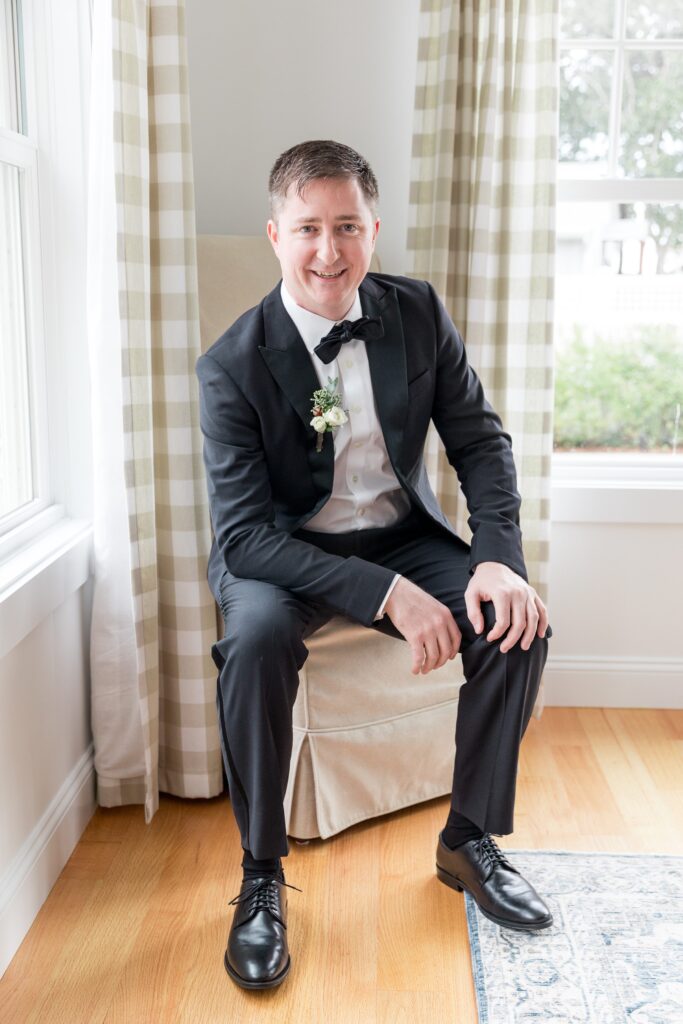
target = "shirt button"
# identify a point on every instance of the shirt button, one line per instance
(357, 444)
(354, 478)
(361, 511)
(356, 408)
(349, 362)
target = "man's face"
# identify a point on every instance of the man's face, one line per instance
(324, 241)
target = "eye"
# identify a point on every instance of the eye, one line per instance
(306, 228)
(353, 227)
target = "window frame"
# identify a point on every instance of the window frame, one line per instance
(20, 149)
(46, 551)
(610, 187)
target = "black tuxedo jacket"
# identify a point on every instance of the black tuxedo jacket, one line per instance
(265, 478)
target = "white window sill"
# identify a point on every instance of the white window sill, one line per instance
(41, 574)
(619, 487)
(623, 467)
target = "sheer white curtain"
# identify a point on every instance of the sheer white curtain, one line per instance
(154, 617)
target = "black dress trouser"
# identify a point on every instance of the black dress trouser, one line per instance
(263, 648)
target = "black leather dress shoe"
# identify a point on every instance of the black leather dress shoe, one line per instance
(257, 955)
(500, 891)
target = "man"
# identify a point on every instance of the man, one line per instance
(320, 504)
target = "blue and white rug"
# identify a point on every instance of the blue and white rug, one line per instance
(613, 954)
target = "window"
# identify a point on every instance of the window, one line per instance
(23, 483)
(619, 260)
(45, 485)
(45, 455)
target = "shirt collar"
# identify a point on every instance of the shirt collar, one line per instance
(311, 326)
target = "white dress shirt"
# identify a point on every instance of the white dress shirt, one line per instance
(365, 490)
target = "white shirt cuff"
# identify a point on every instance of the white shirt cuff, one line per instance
(380, 611)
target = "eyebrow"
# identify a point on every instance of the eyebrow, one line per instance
(318, 220)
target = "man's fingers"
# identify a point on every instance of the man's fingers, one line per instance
(518, 606)
(433, 651)
(448, 642)
(542, 616)
(531, 625)
(501, 602)
(520, 613)
(431, 646)
(472, 599)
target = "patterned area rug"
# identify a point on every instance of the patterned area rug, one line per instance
(613, 954)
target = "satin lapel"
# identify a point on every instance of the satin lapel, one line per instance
(289, 362)
(387, 361)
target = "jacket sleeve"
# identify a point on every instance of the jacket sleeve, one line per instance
(243, 514)
(478, 449)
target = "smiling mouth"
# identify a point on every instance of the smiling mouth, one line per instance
(328, 277)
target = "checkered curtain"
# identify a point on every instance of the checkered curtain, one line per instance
(154, 618)
(482, 226)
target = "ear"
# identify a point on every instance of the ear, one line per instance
(271, 230)
(375, 231)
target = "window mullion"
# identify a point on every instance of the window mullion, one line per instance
(620, 190)
(617, 88)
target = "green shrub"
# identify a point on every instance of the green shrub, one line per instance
(626, 394)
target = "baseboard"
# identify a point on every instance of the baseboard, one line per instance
(27, 882)
(577, 681)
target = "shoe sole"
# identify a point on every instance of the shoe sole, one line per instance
(268, 983)
(455, 883)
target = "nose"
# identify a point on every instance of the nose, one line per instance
(328, 252)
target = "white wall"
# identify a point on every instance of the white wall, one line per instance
(615, 602)
(47, 782)
(267, 75)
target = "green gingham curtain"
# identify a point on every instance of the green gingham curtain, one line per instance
(153, 680)
(482, 226)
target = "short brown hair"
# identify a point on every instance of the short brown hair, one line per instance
(319, 158)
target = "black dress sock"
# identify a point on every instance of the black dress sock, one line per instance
(252, 867)
(459, 829)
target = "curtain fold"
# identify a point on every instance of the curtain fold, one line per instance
(482, 226)
(154, 617)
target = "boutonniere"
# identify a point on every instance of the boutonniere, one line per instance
(327, 413)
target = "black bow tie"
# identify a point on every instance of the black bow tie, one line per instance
(367, 327)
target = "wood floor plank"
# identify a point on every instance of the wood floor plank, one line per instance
(630, 728)
(407, 1007)
(82, 980)
(22, 986)
(134, 930)
(112, 827)
(91, 860)
(632, 800)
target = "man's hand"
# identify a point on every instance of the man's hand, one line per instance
(427, 624)
(517, 605)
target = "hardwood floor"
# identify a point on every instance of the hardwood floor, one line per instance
(135, 927)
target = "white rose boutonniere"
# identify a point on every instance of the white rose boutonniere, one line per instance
(335, 416)
(327, 411)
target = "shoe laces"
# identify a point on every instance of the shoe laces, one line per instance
(263, 895)
(493, 853)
